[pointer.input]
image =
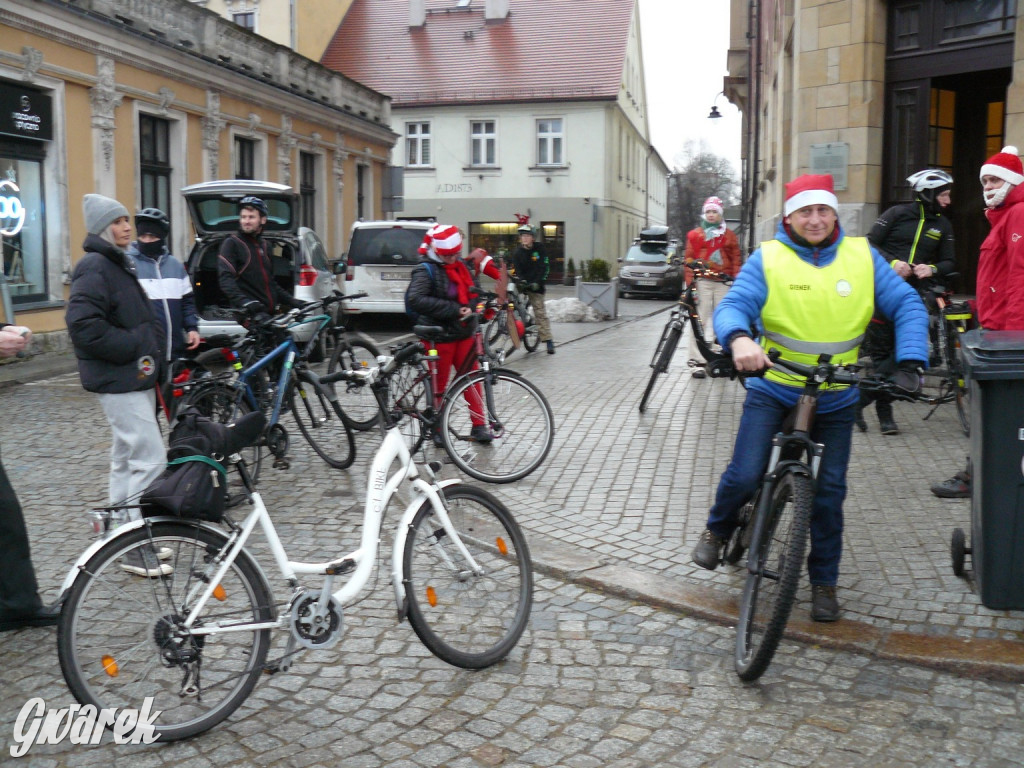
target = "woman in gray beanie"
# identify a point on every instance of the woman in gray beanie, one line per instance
(117, 341)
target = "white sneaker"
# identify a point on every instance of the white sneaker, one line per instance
(142, 561)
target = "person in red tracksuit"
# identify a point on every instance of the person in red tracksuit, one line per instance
(441, 292)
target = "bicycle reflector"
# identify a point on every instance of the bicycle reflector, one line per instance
(520, 328)
(220, 593)
(432, 597)
(109, 665)
(502, 545)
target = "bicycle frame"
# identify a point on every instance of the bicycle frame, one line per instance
(360, 562)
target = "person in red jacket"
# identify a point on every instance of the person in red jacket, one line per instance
(1000, 284)
(715, 246)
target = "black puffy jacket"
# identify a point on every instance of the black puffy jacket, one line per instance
(110, 320)
(432, 297)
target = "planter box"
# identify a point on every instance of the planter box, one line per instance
(603, 297)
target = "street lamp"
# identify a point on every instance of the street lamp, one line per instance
(715, 114)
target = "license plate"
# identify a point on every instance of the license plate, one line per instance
(646, 282)
(394, 276)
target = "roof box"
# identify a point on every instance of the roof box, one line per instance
(657, 235)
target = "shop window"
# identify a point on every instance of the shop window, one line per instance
(22, 226)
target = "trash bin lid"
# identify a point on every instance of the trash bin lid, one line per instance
(993, 354)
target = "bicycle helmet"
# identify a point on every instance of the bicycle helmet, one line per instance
(154, 221)
(928, 185)
(525, 229)
(250, 201)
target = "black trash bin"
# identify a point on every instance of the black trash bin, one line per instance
(994, 363)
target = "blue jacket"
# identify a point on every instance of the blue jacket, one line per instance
(740, 310)
(167, 285)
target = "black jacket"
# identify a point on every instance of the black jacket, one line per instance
(110, 319)
(432, 297)
(531, 264)
(909, 233)
(245, 274)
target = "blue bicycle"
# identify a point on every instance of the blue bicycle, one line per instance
(270, 374)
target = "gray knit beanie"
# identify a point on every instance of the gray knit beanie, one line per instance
(101, 212)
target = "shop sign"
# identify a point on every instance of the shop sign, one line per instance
(25, 112)
(12, 212)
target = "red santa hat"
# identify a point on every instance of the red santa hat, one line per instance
(713, 204)
(810, 189)
(442, 240)
(1004, 165)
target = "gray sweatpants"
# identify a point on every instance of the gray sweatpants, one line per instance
(137, 454)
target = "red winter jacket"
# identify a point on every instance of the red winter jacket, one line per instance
(1000, 285)
(699, 249)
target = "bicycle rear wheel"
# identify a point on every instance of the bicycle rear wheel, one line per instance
(497, 342)
(517, 416)
(469, 619)
(224, 403)
(122, 639)
(321, 421)
(357, 401)
(774, 566)
(663, 357)
(531, 333)
(410, 399)
(957, 382)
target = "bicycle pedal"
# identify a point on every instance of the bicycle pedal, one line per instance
(282, 463)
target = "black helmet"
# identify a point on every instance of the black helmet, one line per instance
(154, 220)
(249, 201)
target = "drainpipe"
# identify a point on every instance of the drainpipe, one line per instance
(754, 57)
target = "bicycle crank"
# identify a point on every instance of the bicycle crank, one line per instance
(313, 627)
(277, 443)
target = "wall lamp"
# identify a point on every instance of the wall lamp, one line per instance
(715, 114)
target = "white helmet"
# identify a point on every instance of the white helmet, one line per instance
(929, 179)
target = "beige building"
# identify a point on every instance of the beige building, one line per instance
(872, 91)
(135, 100)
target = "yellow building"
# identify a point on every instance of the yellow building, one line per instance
(135, 100)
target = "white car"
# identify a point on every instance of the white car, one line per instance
(297, 255)
(380, 259)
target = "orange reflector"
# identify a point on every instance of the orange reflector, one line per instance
(109, 665)
(219, 593)
(432, 597)
(502, 546)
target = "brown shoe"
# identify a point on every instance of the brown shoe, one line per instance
(824, 605)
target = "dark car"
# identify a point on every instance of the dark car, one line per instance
(651, 267)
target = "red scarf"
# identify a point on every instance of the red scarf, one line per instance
(458, 276)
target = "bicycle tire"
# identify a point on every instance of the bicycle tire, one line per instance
(531, 333)
(223, 402)
(356, 400)
(957, 384)
(773, 574)
(497, 342)
(321, 421)
(119, 639)
(469, 620)
(668, 349)
(410, 403)
(516, 413)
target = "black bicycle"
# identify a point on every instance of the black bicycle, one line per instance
(774, 526)
(685, 311)
(950, 320)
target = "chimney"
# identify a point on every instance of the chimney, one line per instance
(417, 13)
(495, 10)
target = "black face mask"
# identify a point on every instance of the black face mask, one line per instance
(152, 249)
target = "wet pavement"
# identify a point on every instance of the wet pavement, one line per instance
(628, 658)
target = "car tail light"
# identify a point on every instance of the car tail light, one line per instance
(307, 276)
(350, 272)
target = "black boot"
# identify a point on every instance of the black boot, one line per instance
(859, 418)
(885, 421)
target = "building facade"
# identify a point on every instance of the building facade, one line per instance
(135, 100)
(871, 91)
(505, 111)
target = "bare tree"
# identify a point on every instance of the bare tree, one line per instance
(701, 175)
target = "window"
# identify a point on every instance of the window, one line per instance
(245, 158)
(417, 145)
(154, 162)
(941, 115)
(361, 191)
(246, 19)
(906, 28)
(22, 223)
(307, 189)
(483, 141)
(549, 141)
(977, 17)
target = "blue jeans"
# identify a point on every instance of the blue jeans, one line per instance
(761, 420)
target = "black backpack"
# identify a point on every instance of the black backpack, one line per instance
(412, 313)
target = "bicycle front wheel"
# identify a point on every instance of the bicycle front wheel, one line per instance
(357, 401)
(122, 640)
(957, 382)
(512, 410)
(225, 403)
(661, 362)
(531, 332)
(773, 573)
(469, 617)
(410, 403)
(321, 421)
(497, 342)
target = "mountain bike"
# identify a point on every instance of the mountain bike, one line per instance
(774, 526)
(952, 320)
(515, 313)
(193, 643)
(513, 410)
(684, 312)
(296, 389)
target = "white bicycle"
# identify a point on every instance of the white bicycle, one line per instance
(197, 639)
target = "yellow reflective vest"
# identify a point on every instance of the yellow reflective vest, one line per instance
(813, 310)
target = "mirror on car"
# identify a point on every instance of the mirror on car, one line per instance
(340, 267)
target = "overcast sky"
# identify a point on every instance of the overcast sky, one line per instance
(685, 43)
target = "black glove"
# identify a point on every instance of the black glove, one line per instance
(261, 318)
(908, 375)
(254, 308)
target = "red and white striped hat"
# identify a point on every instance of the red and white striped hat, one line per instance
(442, 240)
